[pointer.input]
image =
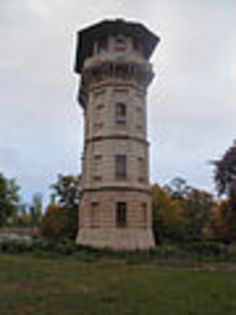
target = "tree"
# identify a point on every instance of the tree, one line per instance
(9, 198)
(66, 191)
(178, 188)
(35, 210)
(197, 209)
(219, 220)
(61, 217)
(51, 222)
(167, 216)
(180, 211)
(225, 178)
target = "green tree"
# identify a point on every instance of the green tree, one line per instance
(9, 198)
(35, 210)
(178, 188)
(225, 178)
(197, 207)
(66, 191)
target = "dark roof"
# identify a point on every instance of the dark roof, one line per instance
(87, 36)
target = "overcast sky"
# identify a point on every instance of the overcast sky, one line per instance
(191, 101)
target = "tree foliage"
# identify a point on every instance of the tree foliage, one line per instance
(167, 215)
(61, 217)
(225, 172)
(180, 212)
(9, 198)
(225, 178)
(66, 191)
(35, 210)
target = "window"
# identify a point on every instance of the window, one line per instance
(97, 160)
(98, 115)
(144, 213)
(102, 45)
(120, 113)
(141, 169)
(139, 118)
(120, 166)
(98, 112)
(136, 44)
(97, 178)
(94, 214)
(120, 45)
(121, 214)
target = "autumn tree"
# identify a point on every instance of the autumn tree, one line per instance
(52, 222)
(61, 217)
(167, 215)
(180, 211)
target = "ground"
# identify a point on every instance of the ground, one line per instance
(37, 285)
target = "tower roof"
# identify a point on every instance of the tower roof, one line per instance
(87, 36)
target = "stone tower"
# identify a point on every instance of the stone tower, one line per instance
(115, 209)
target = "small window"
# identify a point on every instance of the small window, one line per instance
(120, 45)
(102, 45)
(141, 169)
(98, 126)
(136, 45)
(98, 112)
(139, 127)
(94, 214)
(144, 213)
(97, 178)
(121, 214)
(120, 161)
(99, 107)
(120, 113)
(97, 160)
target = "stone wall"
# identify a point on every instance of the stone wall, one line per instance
(111, 78)
(98, 226)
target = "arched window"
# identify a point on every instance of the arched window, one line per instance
(120, 113)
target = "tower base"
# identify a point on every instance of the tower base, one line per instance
(117, 239)
(98, 226)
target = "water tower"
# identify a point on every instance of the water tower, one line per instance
(113, 61)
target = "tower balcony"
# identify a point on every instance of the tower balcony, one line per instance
(115, 71)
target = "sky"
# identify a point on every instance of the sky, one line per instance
(191, 101)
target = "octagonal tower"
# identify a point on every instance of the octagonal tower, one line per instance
(115, 209)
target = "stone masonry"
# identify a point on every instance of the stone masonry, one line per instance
(115, 209)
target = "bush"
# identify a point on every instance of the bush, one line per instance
(206, 248)
(16, 246)
(188, 251)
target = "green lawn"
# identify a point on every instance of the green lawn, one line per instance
(31, 285)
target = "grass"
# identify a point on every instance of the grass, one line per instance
(34, 285)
